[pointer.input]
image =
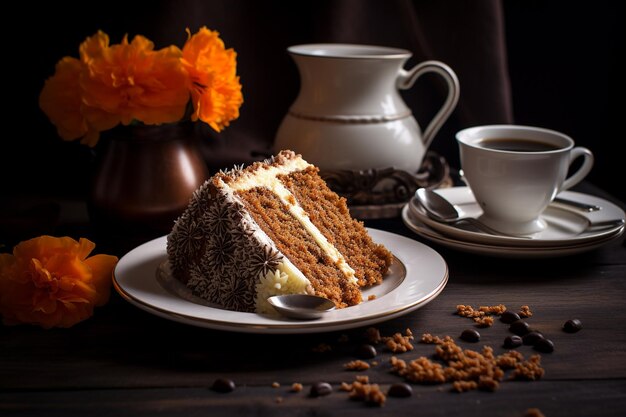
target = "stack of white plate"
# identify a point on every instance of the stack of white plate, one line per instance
(568, 230)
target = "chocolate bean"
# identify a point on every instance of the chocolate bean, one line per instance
(572, 326)
(400, 390)
(532, 337)
(320, 389)
(519, 327)
(544, 345)
(509, 317)
(512, 342)
(470, 335)
(223, 385)
(365, 352)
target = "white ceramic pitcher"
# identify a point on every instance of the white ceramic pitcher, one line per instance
(349, 113)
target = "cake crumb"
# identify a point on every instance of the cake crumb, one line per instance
(275, 384)
(374, 363)
(466, 369)
(371, 297)
(296, 387)
(497, 309)
(482, 315)
(321, 348)
(399, 343)
(486, 383)
(357, 365)
(485, 321)
(509, 359)
(530, 370)
(466, 311)
(345, 387)
(362, 390)
(462, 386)
(430, 339)
(279, 400)
(421, 370)
(525, 312)
(533, 412)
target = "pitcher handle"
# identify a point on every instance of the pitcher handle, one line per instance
(406, 79)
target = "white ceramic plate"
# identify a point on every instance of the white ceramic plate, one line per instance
(504, 251)
(419, 275)
(565, 227)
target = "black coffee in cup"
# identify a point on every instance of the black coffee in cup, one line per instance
(516, 145)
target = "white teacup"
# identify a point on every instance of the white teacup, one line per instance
(516, 171)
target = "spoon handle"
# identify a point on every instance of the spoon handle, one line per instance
(418, 209)
(576, 204)
(483, 227)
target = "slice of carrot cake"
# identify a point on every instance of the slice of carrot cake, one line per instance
(271, 228)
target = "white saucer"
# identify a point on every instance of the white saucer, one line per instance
(505, 251)
(417, 278)
(565, 227)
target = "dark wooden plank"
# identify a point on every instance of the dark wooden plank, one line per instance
(122, 346)
(558, 398)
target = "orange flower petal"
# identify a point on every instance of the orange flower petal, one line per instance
(94, 46)
(50, 282)
(215, 88)
(133, 82)
(60, 100)
(102, 267)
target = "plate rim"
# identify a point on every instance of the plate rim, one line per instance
(461, 235)
(285, 326)
(520, 252)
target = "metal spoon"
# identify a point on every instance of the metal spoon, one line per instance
(301, 306)
(441, 210)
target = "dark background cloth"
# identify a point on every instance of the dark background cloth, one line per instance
(550, 64)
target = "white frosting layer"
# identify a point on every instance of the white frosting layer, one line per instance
(267, 178)
(287, 279)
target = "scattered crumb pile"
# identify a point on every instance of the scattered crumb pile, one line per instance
(483, 316)
(466, 369)
(357, 365)
(398, 343)
(361, 389)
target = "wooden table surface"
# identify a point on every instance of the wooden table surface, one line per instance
(124, 361)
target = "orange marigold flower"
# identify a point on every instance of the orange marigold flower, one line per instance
(61, 101)
(50, 282)
(131, 81)
(213, 82)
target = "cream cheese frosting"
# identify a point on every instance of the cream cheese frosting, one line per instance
(221, 254)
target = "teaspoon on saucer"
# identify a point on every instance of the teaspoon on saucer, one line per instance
(441, 210)
(301, 306)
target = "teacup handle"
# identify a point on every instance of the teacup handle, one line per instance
(406, 79)
(584, 168)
